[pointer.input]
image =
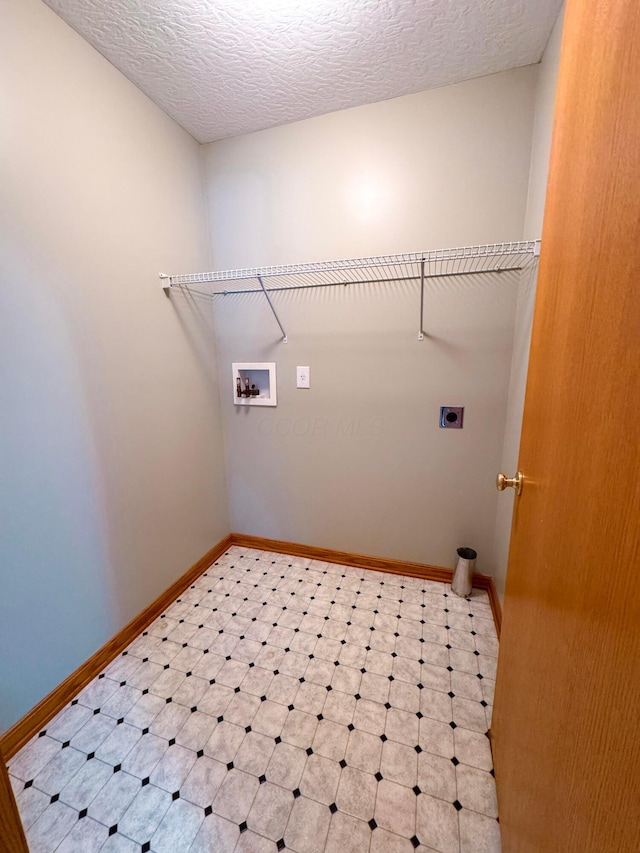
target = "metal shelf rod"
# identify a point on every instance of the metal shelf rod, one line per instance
(356, 281)
(421, 327)
(275, 313)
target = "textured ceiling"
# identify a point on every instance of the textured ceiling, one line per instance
(225, 67)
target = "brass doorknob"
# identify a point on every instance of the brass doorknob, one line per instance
(516, 482)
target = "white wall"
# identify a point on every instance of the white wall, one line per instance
(540, 152)
(543, 131)
(441, 168)
(111, 469)
(358, 461)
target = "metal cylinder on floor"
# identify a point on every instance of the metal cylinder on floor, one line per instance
(463, 575)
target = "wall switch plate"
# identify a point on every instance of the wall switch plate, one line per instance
(302, 374)
(451, 417)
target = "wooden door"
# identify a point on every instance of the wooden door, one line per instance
(12, 839)
(566, 726)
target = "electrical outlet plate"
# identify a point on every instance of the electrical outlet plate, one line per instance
(451, 417)
(302, 377)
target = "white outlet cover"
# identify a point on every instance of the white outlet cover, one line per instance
(302, 374)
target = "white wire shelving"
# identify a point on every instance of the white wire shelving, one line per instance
(409, 266)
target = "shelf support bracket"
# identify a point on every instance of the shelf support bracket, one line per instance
(275, 314)
(166, 283)
(421, 327)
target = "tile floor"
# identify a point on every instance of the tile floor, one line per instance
(279, 704)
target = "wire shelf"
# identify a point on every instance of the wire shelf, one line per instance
(470, 259)
(408, 266)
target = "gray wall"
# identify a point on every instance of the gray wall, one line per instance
(111, 468)
(540, 152)
(357, 462)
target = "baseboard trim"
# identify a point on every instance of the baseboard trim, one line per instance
(486, 582)
(35, 720)
(360, 561)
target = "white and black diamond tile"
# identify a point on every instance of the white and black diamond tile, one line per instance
(279, 703)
